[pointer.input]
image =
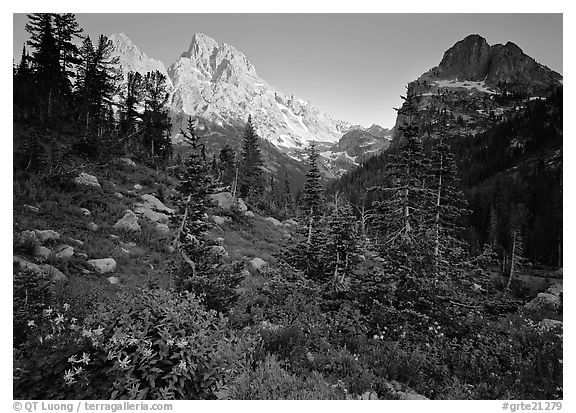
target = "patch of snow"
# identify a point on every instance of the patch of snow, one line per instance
(480, 86)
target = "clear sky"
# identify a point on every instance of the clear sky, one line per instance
(353, 66)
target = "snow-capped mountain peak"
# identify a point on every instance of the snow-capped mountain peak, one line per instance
(132, 59)
(217, 82)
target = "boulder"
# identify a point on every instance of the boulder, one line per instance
(76, 242)
(162, 228)
(249, 214)
(113, 237)
(153, 209)
(555, 289)
(114, 280)
(103, 265)
(274, 221)
(52, 272)
(226, 201)
(138, 187)
(28, 239)
(290, 222)
(118, 195)
(87, 180)
(64, 251)
(32, 208)
(81, 255)
(128, 161)
(130, 244)
(92, 226)
(218, 220)
(544, 301)
(129, 222)
(85, 211)
(46, 235)
(257, 264)
(42, 253)
(219, 241)
(218, 251)
(548, 324)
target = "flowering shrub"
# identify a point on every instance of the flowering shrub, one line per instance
(147, 344)
(154, 344)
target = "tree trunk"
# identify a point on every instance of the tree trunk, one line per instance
(512, 260)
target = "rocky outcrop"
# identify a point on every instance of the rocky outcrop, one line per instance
(87, 180)
(227, 202)
(51, 272)
(128, 223)
(103, 265)
(153, 209)
(273, 221)
(257, 264)
(544, 301)
(46, 235)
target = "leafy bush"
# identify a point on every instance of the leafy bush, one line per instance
(31, 295)
(146, 344)
(155, 344)
(270, 381)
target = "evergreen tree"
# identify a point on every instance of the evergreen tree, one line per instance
(342, 245)
(130, 119)
(45, 63)
(156, 137)
(307, 253)
(313, 188)
(195, 186)
(96, 83)
(250, 177)
(449, 208)
(227, 165)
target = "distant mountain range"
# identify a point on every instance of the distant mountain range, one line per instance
(477, 84)
(217, 83)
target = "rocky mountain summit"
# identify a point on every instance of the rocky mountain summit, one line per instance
(477, 85)
(218, 84)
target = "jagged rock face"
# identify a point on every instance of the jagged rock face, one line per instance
(476, 84)
(468, 59)
(218, 85)
(474, 59)
(217, 82)
(132, 59)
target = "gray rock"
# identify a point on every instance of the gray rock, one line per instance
(46, 235)
(218, 220)
(290, 222)
(249, 214)
(162, 228)
(257, 264)
(28, 238)
(87, 179)
(130, 244)
(53, 273)
(129, 222)
(76, 242)
(218, 251)
(548, 324)
(113, 237)
(92, 226)
(128, 161)
(219, 240)
(556, 289)
(544, 301)
(32, 208)
(103, 265)
(42, 253)
(114, 280)
(153, 209)
(226, 201)
(64, 251)
(138, 187)
(273, 221)
(170, 249)
(118, 195)
(81, 255)
(85, 211)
